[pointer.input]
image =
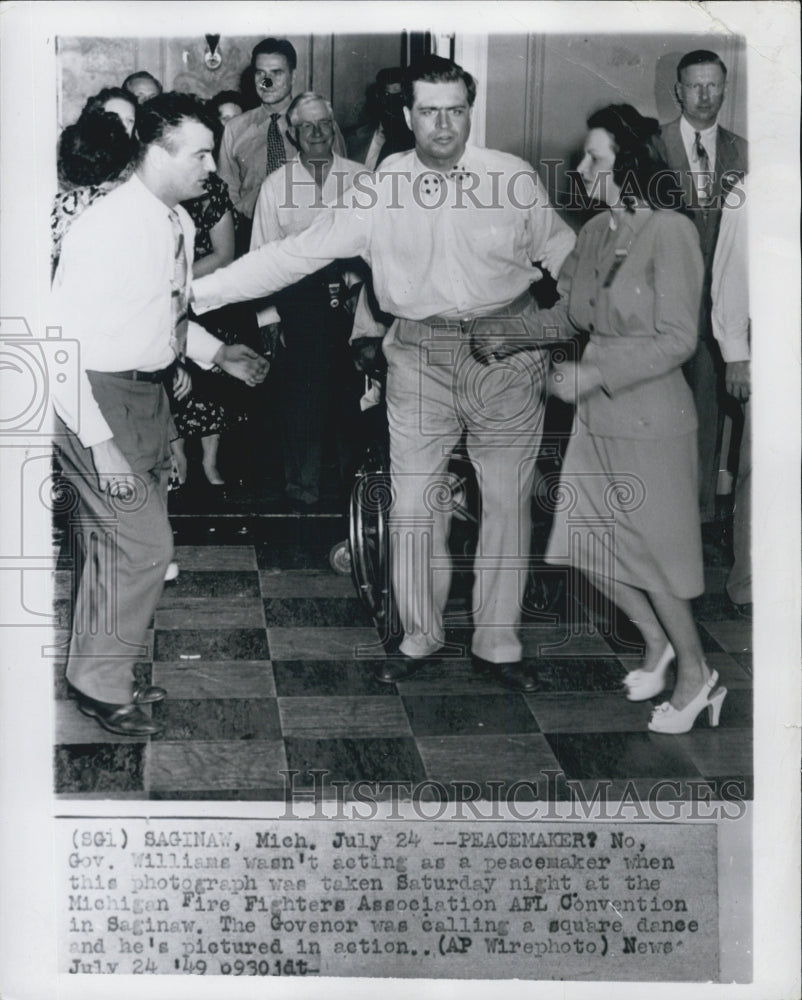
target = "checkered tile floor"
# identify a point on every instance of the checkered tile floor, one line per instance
(256, 643)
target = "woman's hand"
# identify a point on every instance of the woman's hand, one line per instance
(182, 382)
(571, 381)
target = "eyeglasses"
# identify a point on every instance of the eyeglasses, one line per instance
(307, 128)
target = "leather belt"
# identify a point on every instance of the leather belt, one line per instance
(133, 375)
(513, 308)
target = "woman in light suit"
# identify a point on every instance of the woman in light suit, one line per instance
(629, 517)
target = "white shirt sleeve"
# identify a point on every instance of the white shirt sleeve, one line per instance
(276, 265)
(730, 281)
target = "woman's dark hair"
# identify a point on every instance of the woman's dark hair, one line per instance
(214, 104)
(96, 102)
(639, 170)
(95, 149)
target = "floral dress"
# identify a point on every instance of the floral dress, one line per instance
(209, 409)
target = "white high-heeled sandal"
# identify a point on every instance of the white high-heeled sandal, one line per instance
(642, 685)
(667, 719)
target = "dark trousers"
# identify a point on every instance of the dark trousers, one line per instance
(125, 545)
(703, 376)
(317, 384)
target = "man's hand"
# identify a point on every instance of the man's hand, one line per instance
(367, 355)
(114, 472)
(738, 380)
(494, 340)
(182, 382)
(243, 363)
(571, 381)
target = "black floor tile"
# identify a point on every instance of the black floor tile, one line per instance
(619, 755)
(232, 530)
(736, 712)
(99, 767)
(295, 678)
(382, 759)
(229, 584)
(203, 644)
(281, 612)
(465, 714)
(744, 660)
(218, 719)
(578, 674)
(709, 644)
(714, 607)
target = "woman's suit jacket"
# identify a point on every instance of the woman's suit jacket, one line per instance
(636, 291)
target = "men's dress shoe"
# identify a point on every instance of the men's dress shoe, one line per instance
(514, 676)
(400, 666)
(148, 694)
(125, 720)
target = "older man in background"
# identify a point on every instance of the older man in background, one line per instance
(313, 375)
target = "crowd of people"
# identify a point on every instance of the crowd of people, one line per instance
(419, 263)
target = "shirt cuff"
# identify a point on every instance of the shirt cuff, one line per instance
(735, 348)
(78, 408)
(268, 316)
(202, 345)
(205, 294)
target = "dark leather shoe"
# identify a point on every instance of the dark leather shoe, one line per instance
(125, 720)
(148, 694)
(514, 676)
(400, 666)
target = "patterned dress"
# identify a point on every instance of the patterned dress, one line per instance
(66, 209)
(208, 410)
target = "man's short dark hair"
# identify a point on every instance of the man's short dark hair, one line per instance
(159, 117)
(141, 74)
(435, 69)
(699, 57)
(275, 47)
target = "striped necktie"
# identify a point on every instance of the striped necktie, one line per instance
(704, 178)
(276, 155)
(178, 336)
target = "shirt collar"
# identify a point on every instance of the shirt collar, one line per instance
(464, 165)
(150, 199)
(688, 132)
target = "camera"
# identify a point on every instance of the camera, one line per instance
(30, 368)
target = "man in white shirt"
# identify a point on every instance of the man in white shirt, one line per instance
(451, 233)
(121, 290)
(313, 372)
(255, 143)
(708, 160)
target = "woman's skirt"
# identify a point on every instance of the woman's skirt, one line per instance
(628, 509)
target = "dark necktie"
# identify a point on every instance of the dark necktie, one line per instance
(704, 181)
(178, 336)
(276, 156)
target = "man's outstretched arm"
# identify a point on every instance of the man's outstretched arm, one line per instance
(342, 232)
